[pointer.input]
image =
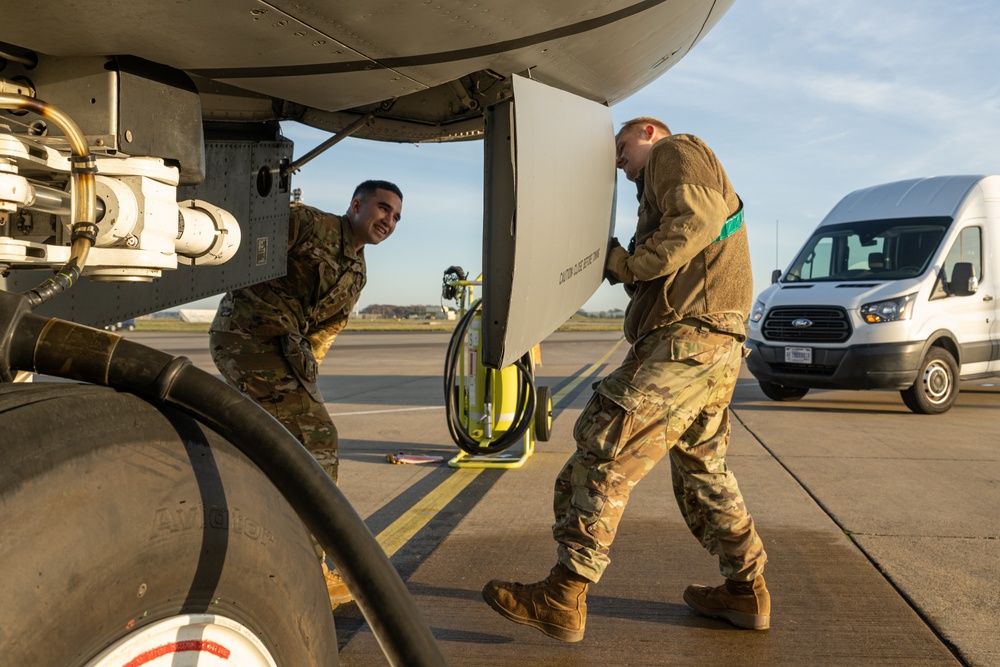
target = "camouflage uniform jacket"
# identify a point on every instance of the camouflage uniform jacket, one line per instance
(314, 298)
(679, 269)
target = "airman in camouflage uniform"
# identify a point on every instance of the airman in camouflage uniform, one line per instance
(689, 279)
(269, 339)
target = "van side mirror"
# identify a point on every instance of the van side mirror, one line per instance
(775, 275)
(963, 280)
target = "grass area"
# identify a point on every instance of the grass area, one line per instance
(575, 323)
(161, 324)
(578, 323)
(401, 325)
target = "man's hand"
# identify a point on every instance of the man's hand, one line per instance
(298, 352)
(615, 269)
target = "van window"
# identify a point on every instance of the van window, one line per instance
(968, 247)
(869, 250)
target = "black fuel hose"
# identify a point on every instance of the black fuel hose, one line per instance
(524, 412)
(75, 352)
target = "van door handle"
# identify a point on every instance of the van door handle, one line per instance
(987, 298)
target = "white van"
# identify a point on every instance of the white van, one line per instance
(894, 290)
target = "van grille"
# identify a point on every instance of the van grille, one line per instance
(829, 325)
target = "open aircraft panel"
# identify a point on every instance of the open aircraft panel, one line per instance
(549, 213)
(260, 208)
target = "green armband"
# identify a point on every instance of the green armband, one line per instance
(732, 225)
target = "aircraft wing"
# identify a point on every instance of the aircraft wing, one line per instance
(426, 69)
(180, 101)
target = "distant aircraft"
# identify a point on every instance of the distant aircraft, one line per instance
(120, 519)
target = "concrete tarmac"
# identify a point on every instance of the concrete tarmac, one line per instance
(881, 526)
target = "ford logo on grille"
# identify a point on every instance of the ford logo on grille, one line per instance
(802, 323)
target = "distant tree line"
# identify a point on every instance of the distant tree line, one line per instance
(382, 311)
(388, 312)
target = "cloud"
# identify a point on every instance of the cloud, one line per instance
(806, 101)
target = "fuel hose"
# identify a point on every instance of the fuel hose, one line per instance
(525, 403)
(32, 343)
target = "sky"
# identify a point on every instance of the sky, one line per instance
(802, 101)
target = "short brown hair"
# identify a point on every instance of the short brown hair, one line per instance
(641, 121)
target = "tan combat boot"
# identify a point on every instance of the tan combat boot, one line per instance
(557, 605)
(743, 603)
(336, 587)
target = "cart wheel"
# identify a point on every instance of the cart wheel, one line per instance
(543, 414)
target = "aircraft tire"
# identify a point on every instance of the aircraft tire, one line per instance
(118, 516)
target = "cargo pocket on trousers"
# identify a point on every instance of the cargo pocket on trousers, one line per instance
(607, 423)
(704, 349)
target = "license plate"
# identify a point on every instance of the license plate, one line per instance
(798, 355)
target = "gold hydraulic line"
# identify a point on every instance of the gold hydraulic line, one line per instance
(82, 173)
(402, 530)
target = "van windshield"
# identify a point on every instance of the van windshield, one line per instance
(869, 250)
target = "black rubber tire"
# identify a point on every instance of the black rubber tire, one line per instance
(117, 514)
(543, 414)
(936, 387)
(779, 392)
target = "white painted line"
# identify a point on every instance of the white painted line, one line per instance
(378, 412)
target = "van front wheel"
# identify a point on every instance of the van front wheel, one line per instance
(779, 392)
(936, 387)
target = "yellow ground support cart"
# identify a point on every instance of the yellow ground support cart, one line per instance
(489, 410)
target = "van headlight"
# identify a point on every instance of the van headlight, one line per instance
(758, 311)
(890, 310)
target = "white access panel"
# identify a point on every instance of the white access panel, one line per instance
(549, 214)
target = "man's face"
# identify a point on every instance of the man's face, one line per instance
(631, 150)
(374, 219)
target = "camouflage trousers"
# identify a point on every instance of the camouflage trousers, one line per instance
(670, 395)
(257, 367)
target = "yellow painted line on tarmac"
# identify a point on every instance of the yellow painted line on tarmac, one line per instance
(400, 531)
(565, 391)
